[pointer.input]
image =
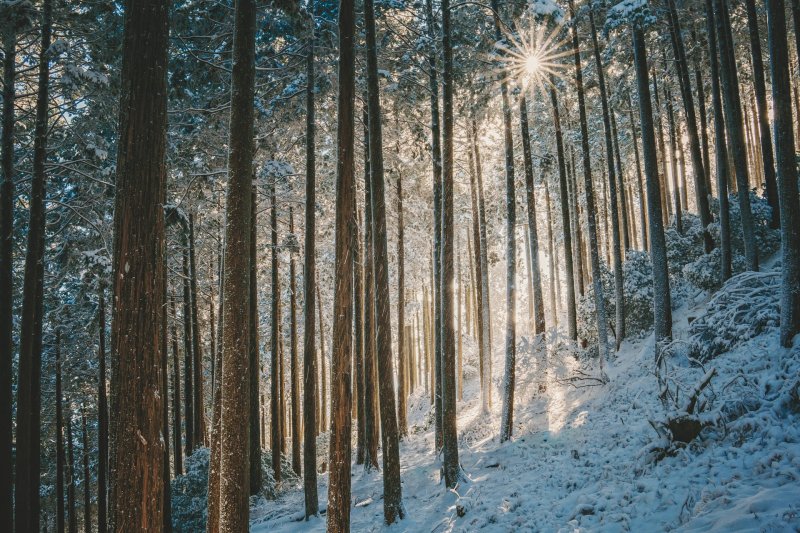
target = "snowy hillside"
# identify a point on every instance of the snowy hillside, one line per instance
(583, 456)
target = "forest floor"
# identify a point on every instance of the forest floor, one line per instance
(582, 455)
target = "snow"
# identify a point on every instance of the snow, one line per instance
(581, 456)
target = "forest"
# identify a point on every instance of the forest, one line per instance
(400, 265)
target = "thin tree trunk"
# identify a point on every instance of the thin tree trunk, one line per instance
(276, 376)
(551, 289)
(436, 288)
(72, 512)
(720, 149)
(392, 496)
(733, 122)
(102, 418)
(294, 370)
(341, 397)
(450, 465)
(176, 395)
(616, 244)
(642, 200)
(698, 169)
(673, 161)
(137, 447)
(539, 324)
(358, 316)
(662, 182)
(481, 292)
(662, 310)
(60, 460)
(322, 370)
(28, 438)
(600, 305)
(188, 359)
(402, 369)
(484, 257)
(759, 87)
(234, 466)
(310, 397)
(370, 401)
(572, 323)
(197, 355)
(507, 417)
(787, 171)
(625, 230)
(254, 352)
(163, 364)
(87, 499)
(7, 283)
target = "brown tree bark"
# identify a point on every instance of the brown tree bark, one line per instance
(102, 418)
(787, 171)
(137, 452)
(254, 352)
(87, 477)
(390, 441)
(28, 441)
(294, 370)
(198, 421)
(276, 376)
(188, 359)
(341, 397)
(60, 459)
(234, 430)
(310, 398)
(9, 35)
(176, 395)
(72, 512)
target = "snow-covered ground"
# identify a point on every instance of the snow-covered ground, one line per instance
(582, 457)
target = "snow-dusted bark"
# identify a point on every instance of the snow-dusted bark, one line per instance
(137, 454)
(390, 442)
(341, 393)
(616, 244)
(597, 282)
(787, 171)
(733, 122)
(662, 305)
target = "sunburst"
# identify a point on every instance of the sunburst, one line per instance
(533, 55)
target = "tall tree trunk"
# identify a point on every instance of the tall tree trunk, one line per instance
(507, 417)
(254, 353)
(484, 351)
(102, 418)
(392, 495)
(662, 182)
(163, 365)
(294, 370)
(662, 306)
(759, 87)
(370, 401)
(701, 107)
(436, 288)
(449, 431)
(698, 169)
(28, 443)
(198, 421)
(234, 467)
(188, 359)
(642, 200)
(533, 250)
(624, 219)
(572, 322)
(402, 369)
(551, 285)
(276, 376)
(322, 371)
(720, 149)
(59, 441)
(787, 171)
(484, 258)
(597, 282)
(87, 499)
(340, 438)
(7, 283)
(733, 122)
(673, 160)
(72, 512)
(616, 245)
(176, 395)
(137, 449)
(310, 398)
(358, 316)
